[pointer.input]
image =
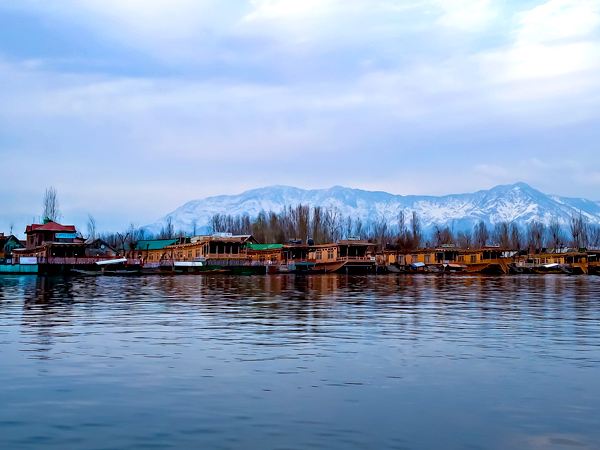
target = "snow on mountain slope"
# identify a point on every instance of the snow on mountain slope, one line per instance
(518, 203)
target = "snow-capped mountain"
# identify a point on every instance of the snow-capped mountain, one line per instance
(518, 203)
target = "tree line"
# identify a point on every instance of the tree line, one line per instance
(327, 224)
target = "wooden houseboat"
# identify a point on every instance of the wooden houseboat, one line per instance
(7, 245)
(297, 258)
(593, 264)
(491, 260)
(347, 256)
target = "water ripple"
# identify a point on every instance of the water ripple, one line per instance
(325, 361)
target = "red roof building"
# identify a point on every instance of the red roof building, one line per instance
(39, 234)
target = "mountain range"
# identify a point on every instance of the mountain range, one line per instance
(519, 203)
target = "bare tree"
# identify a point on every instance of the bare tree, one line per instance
(300, 218)
(501, 234)
(442, 236)
(404, 240)
(380, 231)
(131, 236)
(464, 239)
(594, 238)
(401, 224)
(91, 226)
(122, 240)
(358, 228)
(348, 227)
(481, 234)
(579, 231)
(260, 229)
(535, 235)
(555, 236)
(516, 239)
(51, 206)
(246, 225)
(333, 223)
(168, 231)
(417, 235)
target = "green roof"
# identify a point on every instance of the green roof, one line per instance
(264, 246)
(154, 244)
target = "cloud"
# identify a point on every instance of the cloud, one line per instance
(308, 93)
(284, 9)
(551, 40)
(558, 20)
(466, 15)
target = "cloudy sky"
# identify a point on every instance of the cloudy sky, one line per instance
(130, 108)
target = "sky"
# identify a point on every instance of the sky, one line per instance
(130, 108)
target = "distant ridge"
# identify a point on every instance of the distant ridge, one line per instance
(519, 203)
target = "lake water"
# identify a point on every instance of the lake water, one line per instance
(294, 362)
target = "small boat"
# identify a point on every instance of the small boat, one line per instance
(513, 269)
(553, 268)
(118, 267)
(121, 272)
(85, 272)
(453, 267)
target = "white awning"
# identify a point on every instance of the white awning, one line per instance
(188, 263)
(111, 261)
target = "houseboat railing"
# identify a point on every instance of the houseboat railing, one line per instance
(79, 260)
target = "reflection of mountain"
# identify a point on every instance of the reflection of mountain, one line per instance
(518, 203)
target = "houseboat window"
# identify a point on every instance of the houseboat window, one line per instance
(427, 259)
(319, 255)
(329, 254)
(473, 259)
(261, 258)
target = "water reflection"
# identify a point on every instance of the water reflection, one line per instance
(330, 361)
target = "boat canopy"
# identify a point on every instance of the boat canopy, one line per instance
(418, 264)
